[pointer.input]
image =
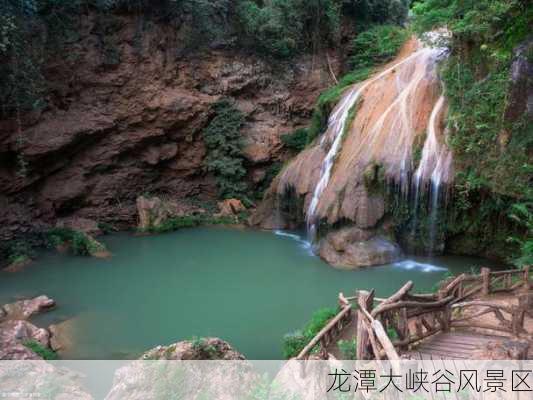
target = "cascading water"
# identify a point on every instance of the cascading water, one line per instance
(435, 169)
(335, 129)
(400, 111)
(340, 178)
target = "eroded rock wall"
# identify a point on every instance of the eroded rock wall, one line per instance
(116, 127)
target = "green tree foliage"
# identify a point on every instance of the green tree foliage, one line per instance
(281, 27)
(377, 45)
(225, 159)
(295, 140)
(377, 11)
(522, 213)
(21, 82)
(497, 24)
(492, 153)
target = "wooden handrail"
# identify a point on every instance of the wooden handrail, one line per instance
(426, 314)
(318, 337)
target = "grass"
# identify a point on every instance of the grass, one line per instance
(294, 342)
(39, 349)
(348, 349)
(81, 243)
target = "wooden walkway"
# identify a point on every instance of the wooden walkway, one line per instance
(456, 322)
(453, 345)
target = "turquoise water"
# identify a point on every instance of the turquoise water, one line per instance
(247, 287)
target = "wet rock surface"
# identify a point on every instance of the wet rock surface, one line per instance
(23, 309)
(351, 248)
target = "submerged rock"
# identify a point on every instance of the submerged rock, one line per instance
(23, 309)
(196, 349)
(61, 335)
(355, 247)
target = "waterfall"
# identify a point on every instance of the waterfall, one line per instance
(340, 176)
(435, 169)
(336, 126)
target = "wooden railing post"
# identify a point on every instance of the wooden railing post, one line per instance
(526, 277)
(485, 276)
(365, 301)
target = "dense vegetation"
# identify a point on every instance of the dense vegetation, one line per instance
(492, 150)
(32, 29)
(225, 159)
(79, 242)
(294, 342)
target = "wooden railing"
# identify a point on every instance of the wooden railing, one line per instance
(330, 332)
(486, 283)
(396, 323)
(404, 318)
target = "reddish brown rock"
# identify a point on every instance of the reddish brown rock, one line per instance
(230, 207)
(153, 211)
(113, 131)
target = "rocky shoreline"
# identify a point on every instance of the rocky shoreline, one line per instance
(19, 338)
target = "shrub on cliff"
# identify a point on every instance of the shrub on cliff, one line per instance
(295, 140)
(377, 45)
(225, 159)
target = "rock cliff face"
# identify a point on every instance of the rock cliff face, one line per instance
(113, 129)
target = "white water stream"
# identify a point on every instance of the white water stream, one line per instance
(400, 129)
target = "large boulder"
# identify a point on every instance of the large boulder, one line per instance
(235, 378)
(354, 247)
(13, 336)
(153, 211)
(196, 349)
(23, 309)
(230, 207)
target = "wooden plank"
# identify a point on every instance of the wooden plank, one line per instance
(443, 355)
(462, 346)
(438, 347)
(460, 340)
(469, 336)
